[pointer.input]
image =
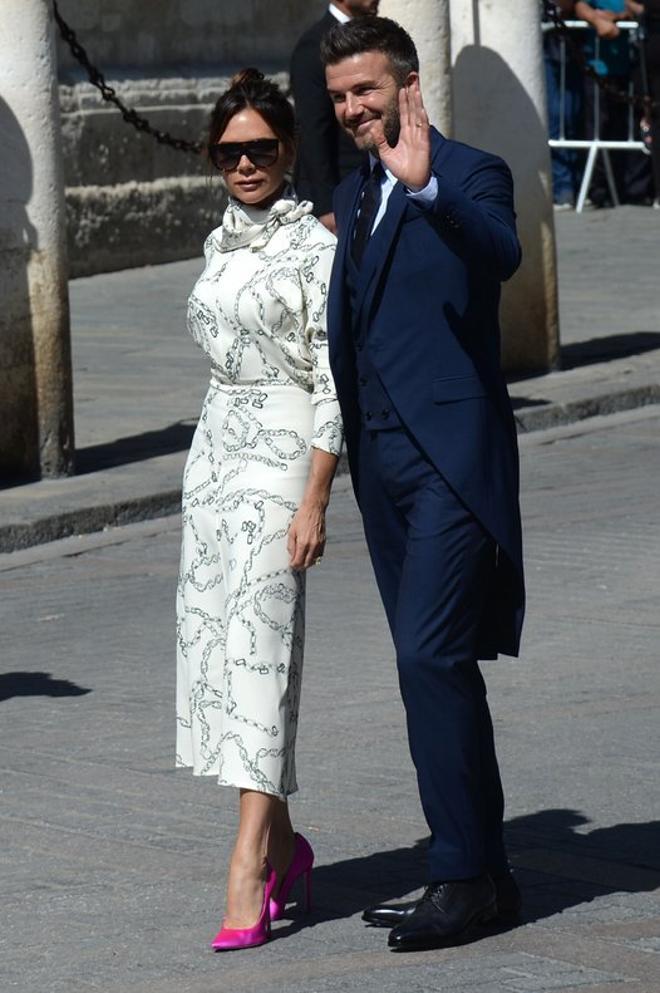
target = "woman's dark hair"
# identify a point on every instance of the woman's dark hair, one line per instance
(250, 88)
(372, 34)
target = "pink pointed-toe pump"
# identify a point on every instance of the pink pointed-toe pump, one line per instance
(227, 939)
(301, 865)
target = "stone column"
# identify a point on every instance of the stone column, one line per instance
(499, 104)
(427, 22)
(36, 408)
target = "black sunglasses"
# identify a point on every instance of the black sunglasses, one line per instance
(261, 152)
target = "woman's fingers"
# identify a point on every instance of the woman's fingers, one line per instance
(306, 539)
(307, 554)
(291, 544)
(314, 553)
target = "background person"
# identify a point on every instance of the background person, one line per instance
(325, 153)
(631, 169)
(651, 21)
(565, 161)
(256, 486)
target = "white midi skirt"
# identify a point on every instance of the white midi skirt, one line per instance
(240, 608)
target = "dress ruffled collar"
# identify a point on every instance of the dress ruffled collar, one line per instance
(244, 226)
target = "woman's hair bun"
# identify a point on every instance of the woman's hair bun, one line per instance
(245, 77)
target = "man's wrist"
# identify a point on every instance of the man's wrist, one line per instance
(426, 194)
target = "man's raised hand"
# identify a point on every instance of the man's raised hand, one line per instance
(410, 159)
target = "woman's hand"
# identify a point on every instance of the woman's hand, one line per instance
(306, 540)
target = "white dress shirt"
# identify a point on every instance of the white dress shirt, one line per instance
(424, 197)
(339, 14)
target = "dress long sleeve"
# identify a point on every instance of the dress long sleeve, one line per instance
(328, 432)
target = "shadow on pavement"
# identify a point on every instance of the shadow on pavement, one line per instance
(570, 859)
(37, 684)
(518, 402)
(135, 448)
(614, 346)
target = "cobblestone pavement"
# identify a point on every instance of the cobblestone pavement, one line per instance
(113, 865)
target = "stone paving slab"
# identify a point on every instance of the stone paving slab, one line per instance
(112, 865)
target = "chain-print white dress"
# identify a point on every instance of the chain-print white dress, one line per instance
(258, 310)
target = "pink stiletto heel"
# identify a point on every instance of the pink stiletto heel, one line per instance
(227, 939)
(301, 865)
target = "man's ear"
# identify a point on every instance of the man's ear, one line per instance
(412, 77)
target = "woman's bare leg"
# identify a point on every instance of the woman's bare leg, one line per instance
(264, 833)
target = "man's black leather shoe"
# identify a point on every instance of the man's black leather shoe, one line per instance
(446, 914)
(507, 898)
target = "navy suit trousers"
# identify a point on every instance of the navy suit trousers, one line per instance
(434, 565)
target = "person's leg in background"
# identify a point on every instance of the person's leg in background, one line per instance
(563, 159)
(653, 74)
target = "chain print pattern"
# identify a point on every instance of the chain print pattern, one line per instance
(260, 317)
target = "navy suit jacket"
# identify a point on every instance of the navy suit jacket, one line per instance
(428, 302)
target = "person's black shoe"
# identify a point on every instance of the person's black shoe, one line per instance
(391, 914)
(507, 898)
(445, 915)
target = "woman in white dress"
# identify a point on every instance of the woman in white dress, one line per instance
(256, 487)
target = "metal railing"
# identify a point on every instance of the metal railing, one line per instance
(595, 145)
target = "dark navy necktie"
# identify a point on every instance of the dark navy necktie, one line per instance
(371, 199)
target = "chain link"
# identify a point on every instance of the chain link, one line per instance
(109, 94)
(645, 103)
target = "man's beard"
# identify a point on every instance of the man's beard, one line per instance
(392, 122)
(391, 125)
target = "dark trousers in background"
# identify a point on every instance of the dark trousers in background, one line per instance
(434, 565)
(567, 163)
(652, 52)
(632, 170)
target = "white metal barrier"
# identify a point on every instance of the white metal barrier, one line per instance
(596, 144)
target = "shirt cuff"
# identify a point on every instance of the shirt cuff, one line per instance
(426, 196)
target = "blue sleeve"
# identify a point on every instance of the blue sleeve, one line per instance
(477, 216)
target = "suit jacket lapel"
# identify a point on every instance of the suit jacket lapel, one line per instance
(378, 250)
(380, 245)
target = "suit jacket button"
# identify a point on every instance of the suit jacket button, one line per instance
(368, 415)
(362, 380)
(385, 412)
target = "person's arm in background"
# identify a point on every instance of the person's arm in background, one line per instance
(317, 143)
(602, 21)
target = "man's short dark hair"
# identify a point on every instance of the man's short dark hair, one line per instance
(371, 34)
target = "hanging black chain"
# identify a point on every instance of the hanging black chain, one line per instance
(645, 103)
(109, 94)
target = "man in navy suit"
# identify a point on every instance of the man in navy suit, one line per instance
(426, 236)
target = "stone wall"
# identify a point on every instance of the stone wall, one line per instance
(130, 200)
